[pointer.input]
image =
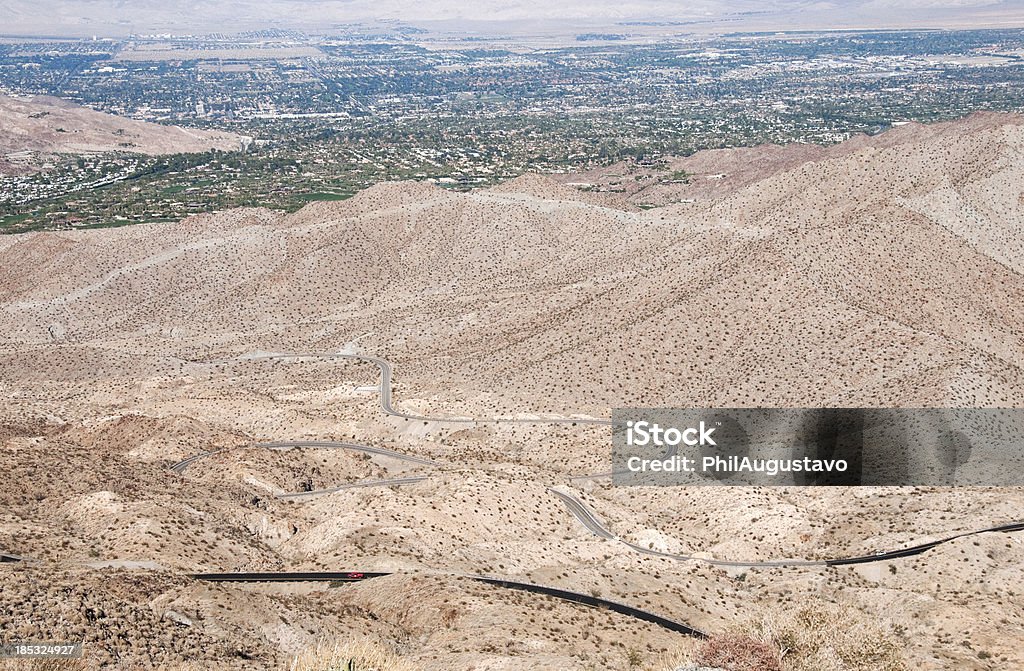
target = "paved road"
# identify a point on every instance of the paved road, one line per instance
(392, 482)
(316, 444)
(368, 449)
(329, 445)
(565, 595)
(576, 507)
(584, 515)
(292, 576)
(594, 524)
(386, 385)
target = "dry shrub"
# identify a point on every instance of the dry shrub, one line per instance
(87, 664)
(829, 638)
(367, 655)
(679, 656)
(735, 652)
(45, 665)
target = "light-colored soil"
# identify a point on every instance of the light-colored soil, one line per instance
(43, 125)
(884, 273)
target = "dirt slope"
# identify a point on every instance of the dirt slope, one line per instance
(885, 272)
(53, 126)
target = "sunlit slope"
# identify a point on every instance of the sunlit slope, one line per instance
(886, 272)
(52, 125)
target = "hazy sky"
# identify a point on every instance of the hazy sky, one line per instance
(113, 16)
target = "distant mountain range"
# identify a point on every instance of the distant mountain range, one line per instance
(113, 17)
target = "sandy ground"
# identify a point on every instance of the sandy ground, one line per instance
(43, 126)
(884, 273)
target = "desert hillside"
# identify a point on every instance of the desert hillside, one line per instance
(54, 126)
(886, 272)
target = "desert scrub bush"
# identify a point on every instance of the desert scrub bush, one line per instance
(46, 665)
(679, 656)
(737, 652)
(363, 654)
(829, 638)
(87, 664)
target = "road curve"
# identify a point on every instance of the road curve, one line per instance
(580, 510)
(386, 402)
(565, 595)
(289, 576)
(584, 515)
(576, 507)
(594, 524)
(288, 445)
(292, 444)
(392, 482)
(368, 449)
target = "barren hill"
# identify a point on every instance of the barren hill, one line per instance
(886, 272)
(716, 173)
(54, 126)
(891, 272)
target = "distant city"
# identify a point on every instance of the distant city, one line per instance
(330, 115)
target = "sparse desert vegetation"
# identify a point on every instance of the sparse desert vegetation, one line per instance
(350, 655)
(887, 272)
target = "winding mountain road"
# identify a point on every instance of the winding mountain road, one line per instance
(315, 444)
(564, 595)
(575, 506)
(386, 384)
(592, 522)
(391, 482)
(328, 445)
